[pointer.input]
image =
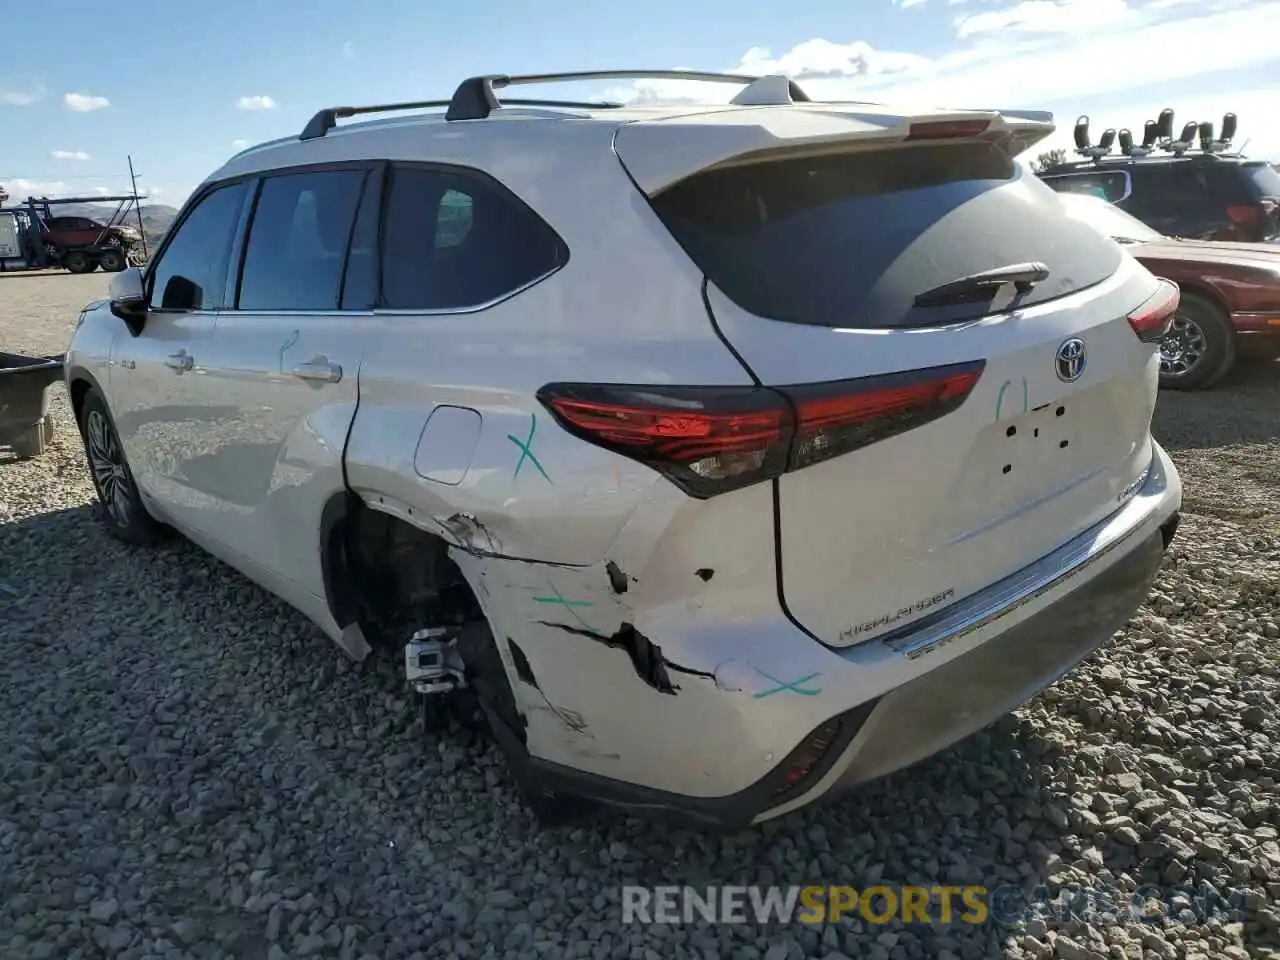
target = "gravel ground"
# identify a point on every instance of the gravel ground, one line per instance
(190, 769)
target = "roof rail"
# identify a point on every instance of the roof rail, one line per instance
(475, 97)
(326, 119)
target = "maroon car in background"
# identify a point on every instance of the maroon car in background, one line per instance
(1230, 294)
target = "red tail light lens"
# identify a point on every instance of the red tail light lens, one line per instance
(835, 418)
(1152, 320)
(710, 440)
(1243, 214)
(946, 129)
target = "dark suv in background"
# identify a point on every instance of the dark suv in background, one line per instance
(1200, 196)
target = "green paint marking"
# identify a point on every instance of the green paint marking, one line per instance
(526, 451)
(570, 605)
(1000, 396)
(793, 686)
(565, 603)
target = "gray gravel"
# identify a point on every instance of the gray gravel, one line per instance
(190, 770)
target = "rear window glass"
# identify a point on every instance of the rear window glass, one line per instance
(850, 240)
(1264, 178)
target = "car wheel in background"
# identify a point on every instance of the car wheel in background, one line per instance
(1200, 347)
(121, 508)
(112, 260)
(77, 261)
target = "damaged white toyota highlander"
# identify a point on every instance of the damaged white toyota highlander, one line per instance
(728, 456)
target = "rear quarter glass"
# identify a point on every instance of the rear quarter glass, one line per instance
(850, 240)
(1263, 179)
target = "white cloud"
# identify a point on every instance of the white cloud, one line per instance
(84, 103)
(1044, 57)
(259, 102)
(69, 155)
(824, 59)
(349, 50)
(907, 4)
(239, 144)
(17, 98)
(20, 188)
(1049, 16)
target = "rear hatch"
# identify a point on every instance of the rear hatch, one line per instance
(956, 438)
(1264, 213)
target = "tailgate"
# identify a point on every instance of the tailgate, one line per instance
(961, 432)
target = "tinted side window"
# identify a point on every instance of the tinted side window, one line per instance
(1109, 185)
(1152, 190)
(190, 273)
(453, 241)
(1220, 183)
(298, 240)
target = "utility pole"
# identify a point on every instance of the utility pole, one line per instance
(137, 208)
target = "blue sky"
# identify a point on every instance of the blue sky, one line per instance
(216, 76)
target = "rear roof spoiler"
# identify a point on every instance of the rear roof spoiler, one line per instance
(1028, 116)
(661, 152)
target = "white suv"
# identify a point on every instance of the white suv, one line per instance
(729, 455)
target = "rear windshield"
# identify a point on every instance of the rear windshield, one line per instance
(850, 240)
(1265, 179)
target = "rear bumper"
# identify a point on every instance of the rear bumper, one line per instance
(993, 651)
(958, 699)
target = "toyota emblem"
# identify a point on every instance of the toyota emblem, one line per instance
(1070, 361)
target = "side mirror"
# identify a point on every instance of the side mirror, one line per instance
(129, 298)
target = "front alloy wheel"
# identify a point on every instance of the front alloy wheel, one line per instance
(124, 513)
(106, 460)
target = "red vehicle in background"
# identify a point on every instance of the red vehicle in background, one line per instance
(1230, 303)
(82, 244)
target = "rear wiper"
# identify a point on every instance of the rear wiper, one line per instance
(1023, 276)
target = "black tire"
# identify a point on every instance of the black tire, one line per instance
(77, 261)
(112, 260)
(1201, 333)
(119, 506)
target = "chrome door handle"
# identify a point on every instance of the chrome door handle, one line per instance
(180, 361)
(318, 369)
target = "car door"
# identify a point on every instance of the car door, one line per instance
(1154, 200)
(283, 361)
(157, 392)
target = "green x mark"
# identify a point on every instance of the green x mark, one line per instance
(525, 452)
(793, 685)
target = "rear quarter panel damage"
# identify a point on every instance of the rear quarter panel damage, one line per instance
(689, 679)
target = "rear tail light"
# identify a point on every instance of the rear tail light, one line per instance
(1152, 320)
(1243, 214)
(946, 129)
(710, 440)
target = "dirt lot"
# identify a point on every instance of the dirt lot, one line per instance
(189, 769)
